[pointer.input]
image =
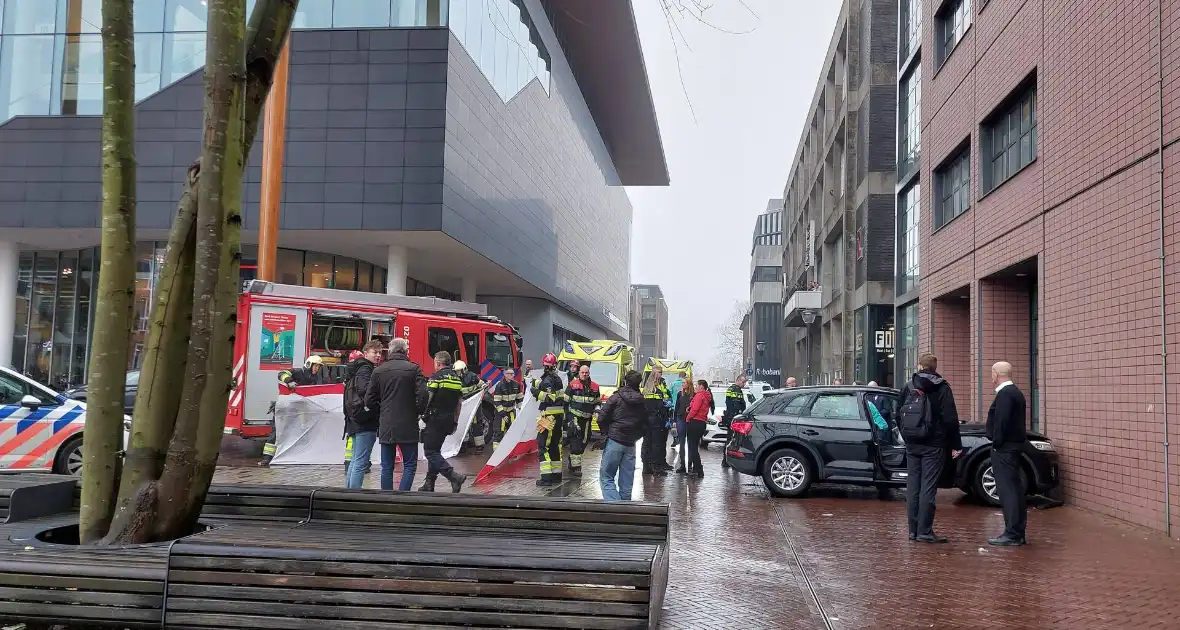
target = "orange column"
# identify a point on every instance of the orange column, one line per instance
(273, 135)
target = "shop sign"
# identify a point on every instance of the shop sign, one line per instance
(884, 341)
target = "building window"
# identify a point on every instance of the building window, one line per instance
(909, 132)
(911, 27)
(909, 204)
(1009, 141)
(950, 24)
(952, 188)
(502, 40)
(907, 340)
(767, 274)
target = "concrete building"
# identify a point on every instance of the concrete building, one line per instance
(472, 149)
(839, 208)
(762, 327)
(649, 322)
(1042, 221)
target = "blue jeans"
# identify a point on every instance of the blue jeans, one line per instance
(362, 454)
(617, 459)
(409, 465)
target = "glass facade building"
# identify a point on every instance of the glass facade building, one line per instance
(415, 135)
(51, 50)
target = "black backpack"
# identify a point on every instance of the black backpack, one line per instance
(914, 419)
(354, 401)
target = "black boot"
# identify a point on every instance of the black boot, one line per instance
(576, 471)
(455, 478)
(428, 483)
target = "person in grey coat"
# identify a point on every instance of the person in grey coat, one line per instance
(397, 391)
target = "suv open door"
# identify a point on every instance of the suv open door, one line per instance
(888, 446)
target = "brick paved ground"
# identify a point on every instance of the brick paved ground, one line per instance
(840, 559)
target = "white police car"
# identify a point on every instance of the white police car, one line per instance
(40, 429)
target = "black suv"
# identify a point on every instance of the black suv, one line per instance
(802, 435)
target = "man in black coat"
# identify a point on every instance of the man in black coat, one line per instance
(397, 391)
(623, 419)
(1005, 429)
(926, 457)
(360, 422)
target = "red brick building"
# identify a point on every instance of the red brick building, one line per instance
(1039, 223)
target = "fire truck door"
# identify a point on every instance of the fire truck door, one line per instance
(278, 341)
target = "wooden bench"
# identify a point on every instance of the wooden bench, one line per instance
(533, 516)
(239, 501)
(47, 583)
(33, 495)
(353, 576)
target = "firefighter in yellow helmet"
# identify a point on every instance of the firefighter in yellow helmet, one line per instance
(550, 394)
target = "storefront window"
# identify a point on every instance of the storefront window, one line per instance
(85, 288)
(62, 348)
(379, 280)
(364, 276)
(24, 289)
(317, 270)
(39, 349)
(345, 274)
(907, 340)
(879, 355)
(289, 267)
(860, 370)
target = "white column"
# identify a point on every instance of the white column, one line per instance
(467, 293)
(395, 270)
(9, 267)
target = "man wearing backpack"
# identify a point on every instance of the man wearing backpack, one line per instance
(360, 424)
(929, 424)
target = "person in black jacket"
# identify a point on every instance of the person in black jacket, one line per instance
(360, 422)
(926, 458)
(1005, 429)
(397, 392)
(735, 403)
(623, 419)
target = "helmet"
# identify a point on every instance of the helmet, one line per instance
(574, 363)
(549, 360)
(354, 355)
(459, 366)
(314, 359)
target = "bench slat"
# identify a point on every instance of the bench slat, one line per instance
(430, 586)
(364, 613)
(393, 599)
(436, 572)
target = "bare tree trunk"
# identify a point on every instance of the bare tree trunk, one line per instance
(166, 357)
(116, 280)
(220, 186)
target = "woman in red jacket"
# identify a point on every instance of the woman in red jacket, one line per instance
(698, 413)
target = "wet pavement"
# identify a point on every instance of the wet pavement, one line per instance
(840, 558)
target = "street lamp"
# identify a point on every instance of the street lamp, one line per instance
(808, 319)
(761, 345)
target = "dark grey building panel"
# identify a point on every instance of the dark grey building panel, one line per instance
(352, 101)
(526, 186)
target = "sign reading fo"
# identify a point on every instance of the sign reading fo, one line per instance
(884, 341)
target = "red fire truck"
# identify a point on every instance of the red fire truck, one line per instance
(279, 326)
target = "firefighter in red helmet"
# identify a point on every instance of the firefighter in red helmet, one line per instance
(550, 394)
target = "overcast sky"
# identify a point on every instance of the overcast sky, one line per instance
(750, 93)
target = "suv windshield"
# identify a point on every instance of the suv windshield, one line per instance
(605, 374)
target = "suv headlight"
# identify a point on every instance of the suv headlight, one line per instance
(1041, 445)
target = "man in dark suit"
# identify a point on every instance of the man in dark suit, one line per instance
(1005, 429)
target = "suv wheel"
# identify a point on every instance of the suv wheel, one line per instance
(984, 484)
(69, 458)
(787, 473)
